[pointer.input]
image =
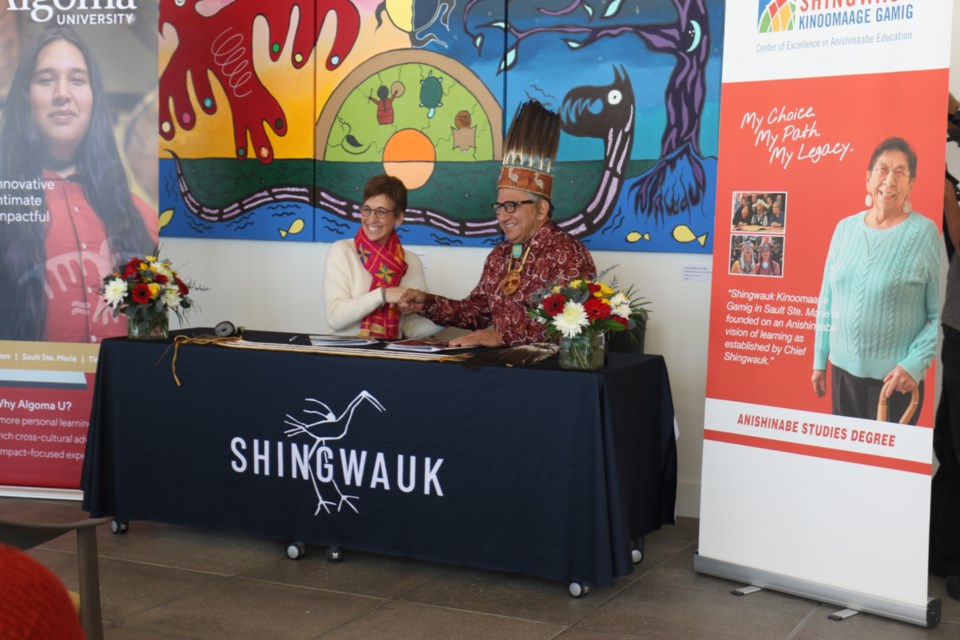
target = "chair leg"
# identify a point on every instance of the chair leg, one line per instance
(90, 615)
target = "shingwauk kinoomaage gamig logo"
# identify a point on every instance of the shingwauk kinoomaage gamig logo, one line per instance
(77, 12)
(797, 15)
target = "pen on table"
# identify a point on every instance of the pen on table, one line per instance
(293, 338)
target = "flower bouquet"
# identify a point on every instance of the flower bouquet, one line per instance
(145, 289)
(581, 312)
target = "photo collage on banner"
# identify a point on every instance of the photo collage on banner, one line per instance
(78, 195)
(832, 116)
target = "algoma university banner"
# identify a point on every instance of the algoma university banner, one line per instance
(78, 191)
(795, 497)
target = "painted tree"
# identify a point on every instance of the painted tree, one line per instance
(677, 181)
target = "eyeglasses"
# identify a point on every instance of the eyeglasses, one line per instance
(509, 206)
(380, 212)
(881, 171)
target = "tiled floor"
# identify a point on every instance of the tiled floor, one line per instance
(162, 582)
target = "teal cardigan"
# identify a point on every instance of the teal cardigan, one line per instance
(880, 298)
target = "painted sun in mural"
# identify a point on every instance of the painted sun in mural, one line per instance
(410, 156)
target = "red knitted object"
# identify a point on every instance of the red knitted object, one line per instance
(34, 604)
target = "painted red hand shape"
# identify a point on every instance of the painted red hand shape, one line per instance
(215, 39)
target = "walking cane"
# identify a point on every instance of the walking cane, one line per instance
(907, 414)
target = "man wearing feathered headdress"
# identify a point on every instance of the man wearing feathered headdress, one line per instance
(535, 253)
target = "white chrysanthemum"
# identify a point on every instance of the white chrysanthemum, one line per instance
(620, 306)
(163, 268)
(171, 297)
(115, 291)
(621, 310)
(571, 319)
(618, 299)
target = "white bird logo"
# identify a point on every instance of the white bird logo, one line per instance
(322, 436)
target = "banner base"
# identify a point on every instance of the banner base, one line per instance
(928, 616)
(44, 493)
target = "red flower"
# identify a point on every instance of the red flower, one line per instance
(161, 279)
(554, 304)
(622, 321)
(596, 309)
(182, 287)
(141, 293)
(593, 288)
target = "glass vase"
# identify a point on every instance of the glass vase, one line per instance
(585, 351)
(152, 327)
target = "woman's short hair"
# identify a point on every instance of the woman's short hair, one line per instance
(384, 185)
(895, 144)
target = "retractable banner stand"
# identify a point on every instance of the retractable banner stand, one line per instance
(78, 173)
(795, 498)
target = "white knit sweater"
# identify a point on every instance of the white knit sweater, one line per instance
(348, 298)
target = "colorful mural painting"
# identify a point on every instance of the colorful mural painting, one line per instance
(273, 115)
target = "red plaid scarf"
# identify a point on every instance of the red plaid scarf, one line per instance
(387, 265)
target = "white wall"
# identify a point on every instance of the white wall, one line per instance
(278, 286)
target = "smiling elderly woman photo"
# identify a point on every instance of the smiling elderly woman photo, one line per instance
(877, 318)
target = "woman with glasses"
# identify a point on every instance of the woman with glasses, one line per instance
(877, 317)
(366, 275)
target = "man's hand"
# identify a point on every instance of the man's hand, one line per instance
(481, 338)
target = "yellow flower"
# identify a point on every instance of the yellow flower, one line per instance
(151, 258)
(605, 291)
(154, 290)
(575, 284)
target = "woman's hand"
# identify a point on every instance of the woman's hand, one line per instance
(394, 295)
(903, 382)
(481, 338)
(819, 380)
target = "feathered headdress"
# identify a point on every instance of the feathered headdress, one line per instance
(530, 149)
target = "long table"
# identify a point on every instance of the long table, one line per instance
(535, 470)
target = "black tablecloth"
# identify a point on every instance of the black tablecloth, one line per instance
(535, 470)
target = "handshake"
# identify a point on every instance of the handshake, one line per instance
(411, 300)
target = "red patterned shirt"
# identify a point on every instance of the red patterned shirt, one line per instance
(554, 257)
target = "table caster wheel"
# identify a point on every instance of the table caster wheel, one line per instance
(333, 554)
(118, 526)
(636, 553)
(579, 589)
(296, 550)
